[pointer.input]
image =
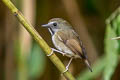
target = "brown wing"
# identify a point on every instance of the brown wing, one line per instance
(81, 44)
(72, 41)
(74, 46)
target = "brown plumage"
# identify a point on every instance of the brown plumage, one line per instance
(67, 40)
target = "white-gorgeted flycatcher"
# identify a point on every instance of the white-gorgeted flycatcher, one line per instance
(66, 40)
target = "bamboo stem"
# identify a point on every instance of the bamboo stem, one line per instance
(38, 38)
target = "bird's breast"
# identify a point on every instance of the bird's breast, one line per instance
(61, 46)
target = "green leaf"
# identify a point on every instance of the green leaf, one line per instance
(37, 61)
(118, 29)
(111, 50)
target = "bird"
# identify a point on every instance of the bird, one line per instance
(66, 41)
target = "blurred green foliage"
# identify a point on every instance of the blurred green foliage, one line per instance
(111, 51)
(90, 7)
(36, 62)
(109, 62)
(32, 66)
(112, 47)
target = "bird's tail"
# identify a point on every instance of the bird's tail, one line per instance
(87, 64)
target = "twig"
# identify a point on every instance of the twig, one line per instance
(115, 38)
(38, 38)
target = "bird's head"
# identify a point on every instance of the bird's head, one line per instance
(57, 23)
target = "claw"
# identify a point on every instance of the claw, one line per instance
(50, 53)
(65, 70)
(68, 65)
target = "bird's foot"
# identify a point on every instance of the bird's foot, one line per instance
(68, 65)
(58, 51)
(65, 70)
(51, 52)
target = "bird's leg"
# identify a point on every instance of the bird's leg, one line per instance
(56, 51)
(67, 67)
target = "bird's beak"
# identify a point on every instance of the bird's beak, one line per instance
(47, 25)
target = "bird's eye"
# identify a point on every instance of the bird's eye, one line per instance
(54, 24)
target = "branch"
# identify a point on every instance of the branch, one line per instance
(38, 39)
